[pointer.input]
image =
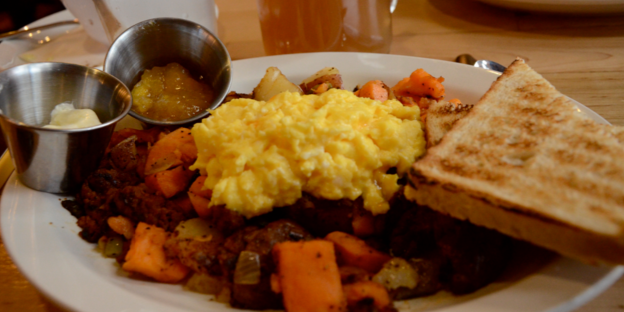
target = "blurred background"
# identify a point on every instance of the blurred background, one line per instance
(15, 14)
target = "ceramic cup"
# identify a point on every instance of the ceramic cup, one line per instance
(105, 20)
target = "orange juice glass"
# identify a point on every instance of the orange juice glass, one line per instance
(294, 26)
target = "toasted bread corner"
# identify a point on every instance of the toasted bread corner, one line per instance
(528, 163)
(441, 116)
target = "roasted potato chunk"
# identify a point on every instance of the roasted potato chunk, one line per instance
(330, 76)
(273, 83)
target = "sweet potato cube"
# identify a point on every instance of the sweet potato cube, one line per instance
(147, 256)
(353, 251)
(373, 89)
(174, 149)
(363, 290)
(420, 84)
(200, 198)
(170, 182)
(363, 223)
(308, 276)
(200, 204)
(197, 188)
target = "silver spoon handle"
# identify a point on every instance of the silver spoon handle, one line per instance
(485, 64)
(26, 29)
(490, 65)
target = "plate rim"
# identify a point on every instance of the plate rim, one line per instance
(562, 6)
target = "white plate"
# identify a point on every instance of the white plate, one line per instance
(42, 239)
(562, 6)
(68, 44)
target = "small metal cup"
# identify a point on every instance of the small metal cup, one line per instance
(160, 41)
(52, 160)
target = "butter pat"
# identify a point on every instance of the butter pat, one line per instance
(66, 116)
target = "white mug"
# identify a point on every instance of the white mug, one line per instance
(104, 20)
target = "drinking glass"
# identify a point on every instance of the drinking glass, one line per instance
(294, 26)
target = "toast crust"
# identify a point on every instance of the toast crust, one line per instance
(569, 241)
(526, 162)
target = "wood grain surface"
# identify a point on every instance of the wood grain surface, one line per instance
(583, 56)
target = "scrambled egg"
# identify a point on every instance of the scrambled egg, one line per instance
(260, 155)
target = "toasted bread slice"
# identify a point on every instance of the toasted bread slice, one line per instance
(526, 162)
(441, 116)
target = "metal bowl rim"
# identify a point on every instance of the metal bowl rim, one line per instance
(218, 99)
(91, 73)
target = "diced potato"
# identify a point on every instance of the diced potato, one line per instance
(273, 83)
(326, 78)
(323, 72)
(197, 228)
(397, 273)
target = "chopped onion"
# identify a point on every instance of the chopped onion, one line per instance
(397, 273)
(114, 247)
(205, 284)
(102, 243)
(247, 270)
(199, 229)
(224, 296)
(161, 164)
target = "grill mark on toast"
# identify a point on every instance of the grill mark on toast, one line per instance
(450, 109)
(441, 117)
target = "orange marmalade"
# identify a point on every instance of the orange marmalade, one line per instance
(169, 93)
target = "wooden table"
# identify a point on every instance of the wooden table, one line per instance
(583, 56)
